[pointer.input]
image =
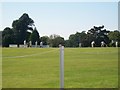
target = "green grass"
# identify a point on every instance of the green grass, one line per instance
(39, 68)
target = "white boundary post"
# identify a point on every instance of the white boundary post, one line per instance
(61, 67)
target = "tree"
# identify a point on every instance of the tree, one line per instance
(67, 43)
(83, 37)
(51, 39)
(98, 34)
(55, 40)
(7, 37)
(45, 40)
(34, 36)
(114, 36)
(75, 39)
(21, 27)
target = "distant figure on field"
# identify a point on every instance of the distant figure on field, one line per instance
(25, 44)
(36, 44)
(41, 44)
(80, 45)
(93, 43)
(30, 43)
(60, 45)
(112, 43)
(116, 44)
(102, 44)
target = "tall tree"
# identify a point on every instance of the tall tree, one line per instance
(114, 36)
(34, 36)
(98, 34)
(45, 40)
(7, 37)
(21, 27)
(75, 39)
(55, 40)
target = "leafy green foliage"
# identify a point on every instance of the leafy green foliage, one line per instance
(34, 36)
(114, 35)
(7, 37)
(55, 40)
(21, 27)
(99, 34)
(21, 30)
(45, 40)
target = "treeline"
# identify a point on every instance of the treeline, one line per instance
(24, 29)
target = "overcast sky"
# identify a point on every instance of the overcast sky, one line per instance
(62, 18)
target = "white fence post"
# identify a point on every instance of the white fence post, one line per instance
(61, 67)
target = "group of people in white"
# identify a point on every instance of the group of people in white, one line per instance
(103, 44)
(29, 44)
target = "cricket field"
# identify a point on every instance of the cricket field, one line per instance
(40, 67)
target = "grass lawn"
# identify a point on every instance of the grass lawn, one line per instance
(39, 68)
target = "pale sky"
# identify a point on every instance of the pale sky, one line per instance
(62, 18)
